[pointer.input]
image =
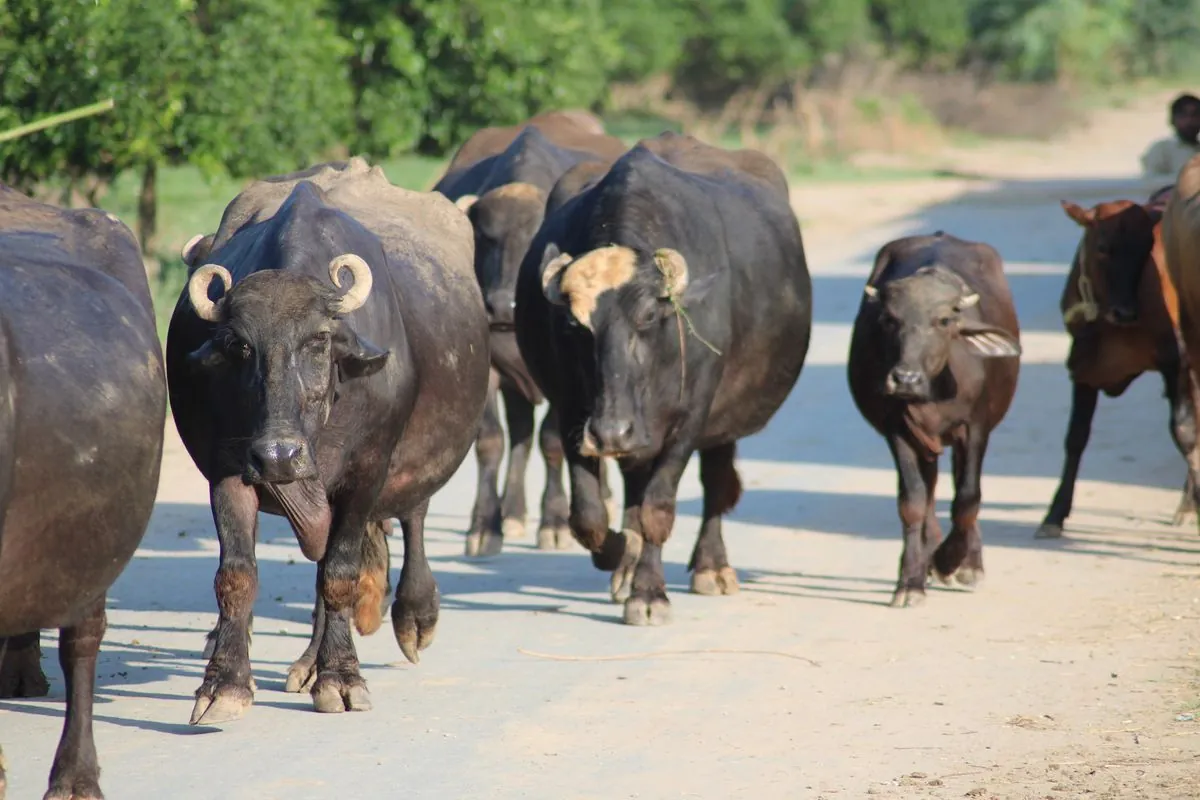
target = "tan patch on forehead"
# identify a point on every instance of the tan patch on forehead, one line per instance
(594, 273)
(517, 191)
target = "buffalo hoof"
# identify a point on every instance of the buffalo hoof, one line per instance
(301, 675)
(621, 584)
(1183, 516)
(481, 544)
(555, 538)
(513, 528)
(970, 577)
(905, 597)
(219, 704)
(415, 625)
(713, 582)
(1049, 530)
(647, 611)
(68, 788)
(333, 694)
(3, 780)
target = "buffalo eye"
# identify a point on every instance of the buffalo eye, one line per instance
(239, 350)
(646, 317)
(945, 322)
(319, 341)
(888, 322)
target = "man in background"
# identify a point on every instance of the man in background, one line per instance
(1165, 158)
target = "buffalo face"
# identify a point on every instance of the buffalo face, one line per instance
(504, 221)
(920, 318)
(1117, 242)
(628, 301)
(279, 346)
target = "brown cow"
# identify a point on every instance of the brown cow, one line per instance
(1181, 252)
(1120, 307)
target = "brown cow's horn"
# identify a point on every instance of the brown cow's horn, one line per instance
(969, 300)
(198, 284)
(870, 291)
(356, 295)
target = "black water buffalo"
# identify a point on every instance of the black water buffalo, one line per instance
(934, 361)
(338, 408)
(81, 416)
(502, 182)
(664, 310)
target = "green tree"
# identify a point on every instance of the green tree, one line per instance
(923, 32)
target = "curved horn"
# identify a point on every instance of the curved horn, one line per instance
(969, 300)
(186, 251)
(356, 295)
(550, 285)
(465, 202)
(674, 269)
(871, 291)
(198, 284)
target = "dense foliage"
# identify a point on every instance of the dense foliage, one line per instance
(252, 86)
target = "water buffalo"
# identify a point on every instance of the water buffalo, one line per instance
(933, 362)
(1122, 313)
(502, 182)
(82, 416)
(338, 382)
(665, 310)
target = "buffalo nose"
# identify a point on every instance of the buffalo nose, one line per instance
(278, 459)
(906, 378)
(612, 435)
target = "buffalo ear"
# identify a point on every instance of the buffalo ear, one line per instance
(206, 356)
(989, 341)
(356, 356)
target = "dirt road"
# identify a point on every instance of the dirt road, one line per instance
(1071, 672)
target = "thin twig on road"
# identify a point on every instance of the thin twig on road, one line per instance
(662, 653)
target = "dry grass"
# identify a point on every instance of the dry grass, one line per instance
(858, 107)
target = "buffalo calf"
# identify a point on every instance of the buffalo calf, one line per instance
(933, 362)
(81, 418)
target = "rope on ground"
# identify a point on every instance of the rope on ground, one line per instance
(663, 653)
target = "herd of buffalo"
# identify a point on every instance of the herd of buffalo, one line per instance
(341, 343)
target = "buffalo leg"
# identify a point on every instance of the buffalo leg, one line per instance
(21, 667)
(1178, 385)
(75, 774)
(227, 691)
(917, 476)
(553, 530)
(711, 573)
(303, 672)
(635, 478)
(415, 612)
(1079, 429)
(648, 603)
(518, 412)
(369, 607)
(340, 685)
(484, 537)
(960, 558)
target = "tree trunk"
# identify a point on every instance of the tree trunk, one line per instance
(148, 217)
